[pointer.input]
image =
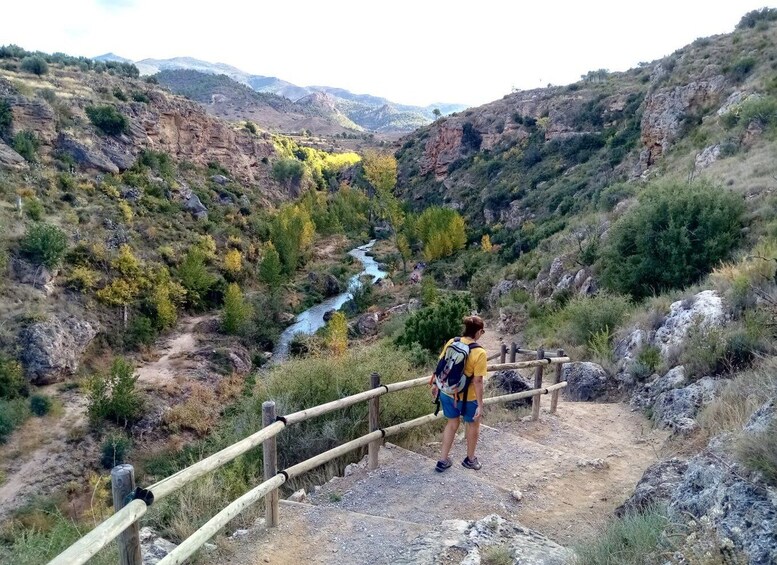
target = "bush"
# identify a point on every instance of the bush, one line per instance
(34, 209)
(758, 451)
(587, 317)
(40, 405)
(236, 313)
(672, 238)
(754, 17)
(107, 119)
(6, 118)
(36, 65)
(433, 325)
(12, 415)
(113, 396)
(12, 381)
(141, 332)
(44, 244)
(26, 144)
(114, 450)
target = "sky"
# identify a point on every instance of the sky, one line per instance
(410, 51)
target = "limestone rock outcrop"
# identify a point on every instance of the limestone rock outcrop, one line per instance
(52, 350)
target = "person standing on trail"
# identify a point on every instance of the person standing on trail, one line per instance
(457, 385)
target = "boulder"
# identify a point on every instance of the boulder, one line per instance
(511, 382)
(154, 547)
(10, 159)
(325, 283)
(677, 408)
(52, 350)
(384, 283)
(196, 207)
(705, 309)
(39, 276)
(586, 382)
(367, 324)
(86, 156)
(645, 395)
(219, 179)
(329, 314)
(655, 487)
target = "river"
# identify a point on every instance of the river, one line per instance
(312, 319)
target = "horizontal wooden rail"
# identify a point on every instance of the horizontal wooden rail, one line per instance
(321, 409)
(524, 394)
(527, 364)
(191, 544)
(494, 356)
(89, 545)
(394, 387)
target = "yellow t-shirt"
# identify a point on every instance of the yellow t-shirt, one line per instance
(476, 365)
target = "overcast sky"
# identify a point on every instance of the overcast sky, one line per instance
(409, 51)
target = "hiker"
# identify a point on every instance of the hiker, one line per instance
(458, 387)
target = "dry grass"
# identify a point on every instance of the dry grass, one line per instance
(199, 412)
(742, 396)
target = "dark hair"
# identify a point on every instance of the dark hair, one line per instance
(472, 325)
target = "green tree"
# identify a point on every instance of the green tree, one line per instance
(236, 311)
(292, 232)
(12, 381)
(432, 326)
(436, 113)
(35, 64)
(114, 396)
(44, 244)
(195, 277)
(672, 238)
(380, 170)
(107, 119)
(442, 232)
(6, 118)
(270, 269)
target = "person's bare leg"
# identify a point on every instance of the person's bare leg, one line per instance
(472, 432)
(447, 437)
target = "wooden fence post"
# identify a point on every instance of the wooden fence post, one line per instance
(270, 457)
(503, 356)
(122, 485)
(535, 400)
(374, 447)
(513, 351)
(559, 377)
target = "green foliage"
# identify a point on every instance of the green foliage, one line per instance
(672, 238)
(270, 269)
(429, 293)
(442, 232)
(6, 118)
(113, 450)
(35, 64)
(630, 540)
(12, 414)
(433, 325)
(292, 232)
(12, 381)
(739, 70)
(34, 209)
(470, 137)
(44, 244)
(40, 404)
(754, 17)
(107, 119)
(650, 357)
(141, 332)
(195, 277)
(26, 144)
(288, 171)
(236, 311)
(588, 316)
(114, 397)
(703, 349)
(761, 110)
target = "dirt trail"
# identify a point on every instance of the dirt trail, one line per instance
(46, 453)
(174, 358)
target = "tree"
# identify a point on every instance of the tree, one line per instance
(675, 235)
(337, 334)
(270, 269)
(113, 396)
(107, 119)
(236, 311)
(485, 243)
(195, 277)
(45, 244)
(35, 64)
(233, 263)
(6, 118)
(436, 113)
(442, 232)
(292, 232)
(380, 170)
(432, 326)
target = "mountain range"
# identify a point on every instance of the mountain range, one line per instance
(320, 109)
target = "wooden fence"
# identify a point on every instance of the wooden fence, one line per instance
(132, 502)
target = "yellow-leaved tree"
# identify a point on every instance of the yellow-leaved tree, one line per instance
(485, 243)
(337, 334)
(292, 232)
(124, 288)
(442, 232)
(233, 263)
(380, 170)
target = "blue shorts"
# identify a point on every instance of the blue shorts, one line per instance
(466, 409)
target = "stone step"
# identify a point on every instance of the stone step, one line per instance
(406, 487)
(308, 533)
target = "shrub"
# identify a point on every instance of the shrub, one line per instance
(141, 332)
(44, 244)
(6, 118)
(35, 64)
(12, 414)
(114, 450)
(26, 144)
(12, 381)
(82, 279)
(113, 396)
(433, 325)
(703, 350)
(650, 357)
(195, 277)
(754, 17)
(673, 237)
(40, 405)
(587, 316)
(107, 119)
(34, 209)
(758, 451)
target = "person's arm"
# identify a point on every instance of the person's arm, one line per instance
(481, 368)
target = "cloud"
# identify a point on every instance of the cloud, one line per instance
(115, 4)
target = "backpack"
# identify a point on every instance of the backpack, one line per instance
(449, 375)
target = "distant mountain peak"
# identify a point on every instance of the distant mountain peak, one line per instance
(112, 57)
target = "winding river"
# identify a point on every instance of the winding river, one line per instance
(312, 319)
